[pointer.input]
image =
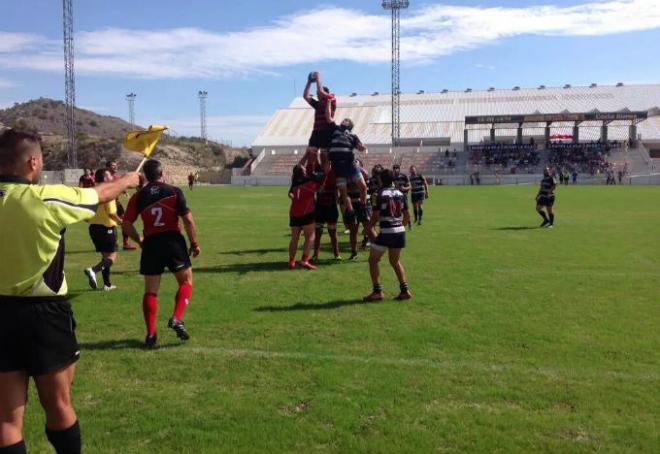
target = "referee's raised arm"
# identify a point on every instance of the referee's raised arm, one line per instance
(37, 338)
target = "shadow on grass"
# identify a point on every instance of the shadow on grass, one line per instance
(121, 344)
(312, 307)
(87, 251)
(243, 268)
(516, 229)
(255, 251)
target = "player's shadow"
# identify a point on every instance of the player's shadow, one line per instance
(311, 307)
(243, 268)
(515, 229)
(255, 251)
(120, 344)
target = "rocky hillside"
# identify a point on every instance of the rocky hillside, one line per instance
(100, 138)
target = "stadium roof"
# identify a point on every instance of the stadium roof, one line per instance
(442, 115)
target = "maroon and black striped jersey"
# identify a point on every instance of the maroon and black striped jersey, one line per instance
(159, 205)
(320, 106)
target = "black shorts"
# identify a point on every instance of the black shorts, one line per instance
(386, 241)
(546, 201)
(418, 197)
(321, 139)
(162, 250)
(326, 214)
(360, 214)
(104, 238)
(37, 336)
(302, 221)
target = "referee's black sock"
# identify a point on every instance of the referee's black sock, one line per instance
(18, 448)
(104, 263)
(65, 441)
(552, 218)
(542, 213)
(105, 272)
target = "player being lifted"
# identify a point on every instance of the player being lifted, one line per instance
(342, 161)
(160, 206)
(546, 198)
(402, 183)
(420, 192)
(324, 116)
(389, 213)
(327, 213)
(302, 214)
(360, 215)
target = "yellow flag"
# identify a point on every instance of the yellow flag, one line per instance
(144, 141)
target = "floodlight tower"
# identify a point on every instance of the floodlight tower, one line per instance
(131, 108)
(396, 6)
(69, 85)
(202, 112)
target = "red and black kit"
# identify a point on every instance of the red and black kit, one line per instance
(160, 205)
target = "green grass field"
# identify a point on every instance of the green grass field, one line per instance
(517, 339)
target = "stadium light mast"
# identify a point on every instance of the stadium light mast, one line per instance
(202, 95)
(396, 6)
(131, 108)
(69, 85)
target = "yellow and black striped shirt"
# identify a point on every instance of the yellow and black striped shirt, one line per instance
(33, 219)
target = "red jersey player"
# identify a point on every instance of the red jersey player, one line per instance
(324, 116)
(160, 206)
(302, 215)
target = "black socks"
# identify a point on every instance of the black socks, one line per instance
(65, 441)
(378, 288)
(18, 448)
(104, 263)
(542, 213)
(421, 212)
(552, 218)
(106, 276)
(403, 287)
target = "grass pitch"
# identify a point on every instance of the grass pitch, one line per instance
(517, 339)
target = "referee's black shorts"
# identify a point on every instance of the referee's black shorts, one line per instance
(37, 335)
(164, 250)
(104, 238)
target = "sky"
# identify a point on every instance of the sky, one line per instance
(253, 56)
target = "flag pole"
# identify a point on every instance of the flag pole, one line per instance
(141, 164)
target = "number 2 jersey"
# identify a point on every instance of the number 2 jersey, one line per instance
(159, 205)
(390, 206)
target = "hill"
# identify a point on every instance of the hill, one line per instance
(100, 137)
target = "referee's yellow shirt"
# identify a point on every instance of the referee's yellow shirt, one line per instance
(103, 212)
(33, 220)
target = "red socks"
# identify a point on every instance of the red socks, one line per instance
(182, 300)
(150, 308)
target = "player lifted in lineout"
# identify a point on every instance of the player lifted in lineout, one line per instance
(319, 142)
(389, 213)
(546, 198)
(160, 206)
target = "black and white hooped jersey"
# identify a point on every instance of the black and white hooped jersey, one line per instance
(417, 184)
(548, 184)
(390, 206)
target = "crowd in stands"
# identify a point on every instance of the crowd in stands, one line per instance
(506, 156)
(590, 157)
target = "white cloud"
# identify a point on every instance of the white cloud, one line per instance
(488, 67)
(4, 83)
(312, 37)
(241, 129)
(16, 42)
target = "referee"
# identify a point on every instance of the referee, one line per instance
(37, 338)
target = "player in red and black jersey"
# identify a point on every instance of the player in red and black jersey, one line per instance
(327, 213)
(87, 180)
(111, 166)
(160, 206)
(302, 214)
(324, 117)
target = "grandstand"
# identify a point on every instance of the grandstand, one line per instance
(434, 130)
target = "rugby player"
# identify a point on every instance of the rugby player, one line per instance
(302, 214)
(389, 213)
(327, 213)
(103, 232)
(420, 192)
(38, 338)
(324, 116)
(342, 161)
(86, 180)
(360, 215)
(160, 206)
(373, 185)
(402, 183)
(546, 198)
(111, 166)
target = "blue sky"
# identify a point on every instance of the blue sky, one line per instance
(253, 56)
